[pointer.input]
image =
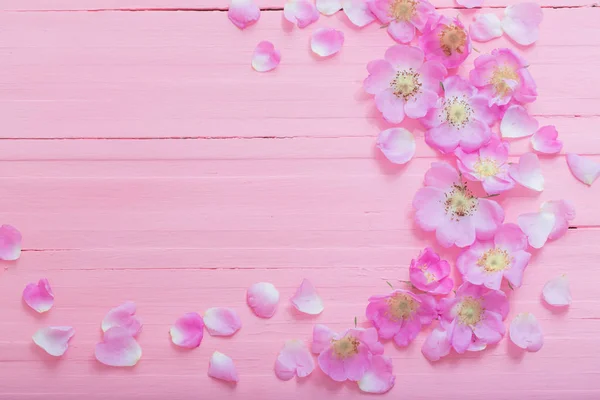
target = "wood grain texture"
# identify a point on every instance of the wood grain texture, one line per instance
(144, 160)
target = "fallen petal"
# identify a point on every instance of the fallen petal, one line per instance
(307, 300)
(294, 359)
(221, 321)
(545, 140)
(521, 22)
(243, 13)
(469, 3)
(118, 348)
(485, 27)
(528, 172)
(379, 378)
(263, 298)
(525, 332)
(326, 41)
(537, 227)
(188, 331)
(556, 292)
(329, 7)
(265, 57)
(54, 339)
(397, 144)
(221, 367)
(517, 123)
(39, 296)
(437, 345)
(123, 316)
(582, 168)
(300, 12)
(564, 212)
(358, 12)
(10, 243)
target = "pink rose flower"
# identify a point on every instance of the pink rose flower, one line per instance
(401, 314)
(462, 118)
(486, 263)
(403, 17)
(403, 84)
(503, 76)
(446, 205)
(446, 40)
(429, 273)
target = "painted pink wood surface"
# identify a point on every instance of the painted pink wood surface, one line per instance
(143, 159)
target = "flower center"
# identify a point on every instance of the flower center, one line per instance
(460, 202)
(403, 10)
(345, 347)
(500, 76)
(406, 83)
(401, 306)
(486, 167)
(470, 311)
(494, 260)
(457, 111)
(429, 276)
(452, 39)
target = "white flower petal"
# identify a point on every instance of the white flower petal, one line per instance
(528, 172)
(294, 359)
(54, 339)
(485, 27)
(307, 300)
(222, 367)
(397, 144)
(537, 227)
(525, 332)
(221, 321)
(517, 123)
(582, 168)
(379, 378)
(263, 298)
(557, 292)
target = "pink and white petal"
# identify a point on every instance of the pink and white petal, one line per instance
(329, 7)
(188, 331)
(326, 41)
(441, 175)
(526, 333)
(39, 296)
(437, 345)
(462, 335)
(300, 12)
(537, 227)
(460, 233)
(357, 365)
(474, 135)
(495, 301)
(381, 73)
(265, 57)
(485, 27)
(521, 22)
(54, 340)
(118, 348)
(123, 316)
(369, 338)
(243, 13)
(443, 138)
(391, 106)
(515, 274)
(379, 378)
(358, 12)
(10, 243)
(545, 140)
(404, 57)
(564, 211)
(294, 359)
(430, 214)
(402, 31)
(408, 332)
(490, 329)
(397, 144)
(222, 367)
(419, 105)
(528, 172)
(488, 217)
(584, 169)
(221, 321)
(307, 300)
(263, 298)
(332, 365)
(432, 73)
(517, 123)
(557, 292)
(469, 3)
(322, 337)
(510, 237)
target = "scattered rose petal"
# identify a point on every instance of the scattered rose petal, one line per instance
(307, 300)
(263, 298)
(358, 12)
(294, 359)
(265, 57)
(517, 123)
(521, 22)
(563, 211)
(243, 13)
(525, 332)
(584, 169)
(54, 339)
(379, 378)
(469, 3)
(123, 316)
(221, 367)
(556, 292)
(485, 27)
(437, 345)
(300, 12)
(118, 348)
(528, 172)
(221, 321)
(10, 243)
(39, 296)
(545, 140)
(188, 331)
(397, 144)
(329, 7)
(326, 41)
(537, 227)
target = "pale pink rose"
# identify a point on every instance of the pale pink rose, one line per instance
(521, 22)
(526, 333)
(300, 12)
(243, 13)
(403, 17)
(403, 84)
(485, 27)
(584, 169)
(446, 40)
(429, 273)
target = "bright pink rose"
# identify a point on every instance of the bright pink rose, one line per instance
(403, 84)
(503, 76)
(486, 263)
(446, 40)
(429, 273)
(403, 17)
(447, 206)
(462, 118)
(401, 314)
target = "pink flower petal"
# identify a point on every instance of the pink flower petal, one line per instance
(582, 168)
(294, 359)
(525, 332)
(485, 27)
(556, 292)
(379, 378)
(322, 336)
(221, 321)
(329, 7)
(521, 22)
(123, 316)
(469, 3)
(326, 41)
(10, 243)
(221, 367)
(528, 172)
(437, 345)
(564, 211)
(300, 12)
(517, 123)
(537, 227)
(545, 140)
(54, 339)
(39, 296)
(118, 348)
(188, 331)
(263, 298)
(243, 13)
(358, 12)
(265, 57)
(397, 144)
(307, 300)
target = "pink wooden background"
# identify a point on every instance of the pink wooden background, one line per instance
(144, 160)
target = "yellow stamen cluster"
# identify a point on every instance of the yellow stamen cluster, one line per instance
(460, 202)
(470, 311)
(457, 111)
(401, 306)
(494, 260)
(452, 40)
(406, 83)
(345, 347)
(499, 77)
(486, 167)
(403, 10)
